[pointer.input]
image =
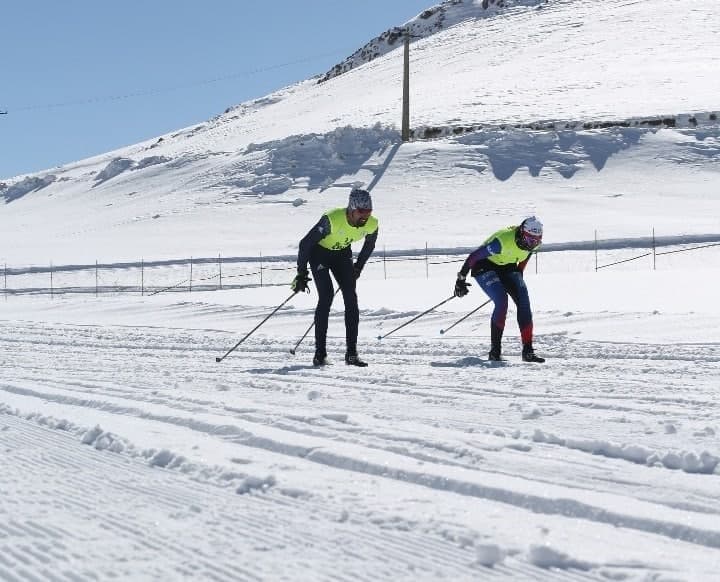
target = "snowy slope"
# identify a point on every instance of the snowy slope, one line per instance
(567, 61)
(428, 22)
(429, 464)
(128, 453)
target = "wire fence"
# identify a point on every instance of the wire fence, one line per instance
(148, 278)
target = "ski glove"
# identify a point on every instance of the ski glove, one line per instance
(300, 282)
(461, 287)
(357, 269)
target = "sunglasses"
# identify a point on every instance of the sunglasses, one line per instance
(530, 240)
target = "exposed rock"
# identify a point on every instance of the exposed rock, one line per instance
(114, 168)
(31, 184)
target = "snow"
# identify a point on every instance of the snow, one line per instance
(127, 452)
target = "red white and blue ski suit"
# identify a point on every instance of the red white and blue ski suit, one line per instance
(497, 266)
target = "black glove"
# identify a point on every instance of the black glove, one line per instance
(461, 287)
(300, 282)
(357, 269)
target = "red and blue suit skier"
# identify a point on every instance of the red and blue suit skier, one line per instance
(497, 265)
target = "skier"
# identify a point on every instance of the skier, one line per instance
(497, 266)
(327, 248)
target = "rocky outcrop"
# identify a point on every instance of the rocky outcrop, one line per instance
(426, 23)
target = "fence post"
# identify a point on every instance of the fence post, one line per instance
(384, 263)
(5, 288)
(261, 269)
(142, 277)
(96, 278)
(190, 290)
(52, 294)
(427, 266)
(596, 251)
(220, 269)
(653, 243)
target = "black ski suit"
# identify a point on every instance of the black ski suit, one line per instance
(339, 262)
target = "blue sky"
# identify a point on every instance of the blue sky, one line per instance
(82, 77)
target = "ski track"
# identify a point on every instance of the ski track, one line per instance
(175, 502)
(622, 393)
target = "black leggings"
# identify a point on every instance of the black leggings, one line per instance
(340, 263)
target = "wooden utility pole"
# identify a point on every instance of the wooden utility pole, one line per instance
(406, 89)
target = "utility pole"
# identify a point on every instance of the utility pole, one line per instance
(406, 89)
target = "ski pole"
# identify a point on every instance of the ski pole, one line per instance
(307, 331)
(417, 317)
(464, 317)
(274, 311)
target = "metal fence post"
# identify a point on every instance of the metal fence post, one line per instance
(5, 288)
(427, 266)
(191, 265)
(96, 278)
(142, 277)
(653, 243)
(596, 252)
(220, 269)
(52, 294)
(261, 269)
(384, 263)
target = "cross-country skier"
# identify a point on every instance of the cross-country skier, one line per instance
(327, 248)
(497, 266)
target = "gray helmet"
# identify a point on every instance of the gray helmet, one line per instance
(359, 199)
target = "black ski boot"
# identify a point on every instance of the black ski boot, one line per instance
(494, 355)
(495, 341)
(529, 355)
(354, 360)
(319, 360)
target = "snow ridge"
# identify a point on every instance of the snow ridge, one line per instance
(428, 22)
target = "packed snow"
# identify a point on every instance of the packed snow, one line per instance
(127, 452)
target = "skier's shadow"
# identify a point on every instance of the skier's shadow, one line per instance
(469, 361)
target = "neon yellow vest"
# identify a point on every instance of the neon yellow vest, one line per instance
(342, 235)
(510, 252)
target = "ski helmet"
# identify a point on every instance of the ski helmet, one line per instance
(529, 233)
(359, 200)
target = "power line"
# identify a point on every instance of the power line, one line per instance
(158, 91)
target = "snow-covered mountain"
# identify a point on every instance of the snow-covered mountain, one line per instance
(127, 452)
(427, 23)
(487, 76)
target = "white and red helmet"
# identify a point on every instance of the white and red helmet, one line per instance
(529, 233)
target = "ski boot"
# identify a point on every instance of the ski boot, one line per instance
(494, 355)
(496, 334)
(529, 355)
(319, 360)
(354, 360)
